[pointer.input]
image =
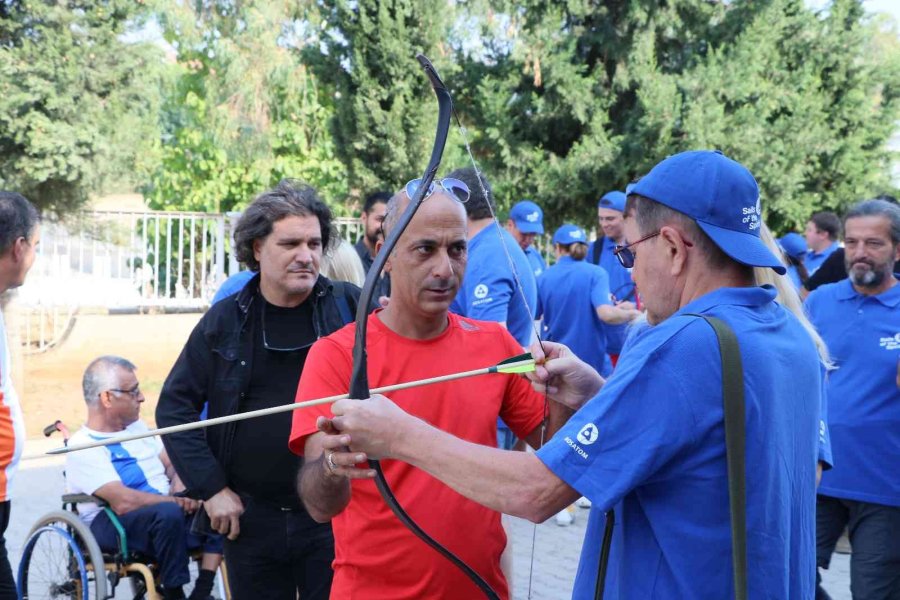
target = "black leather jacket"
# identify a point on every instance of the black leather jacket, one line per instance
(214, 367)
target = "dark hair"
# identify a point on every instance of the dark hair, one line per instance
(18, 217)
(827, 222)
(374, 198)
(652, 216)
(886, 198)
(797, 263)
(878, 208)
(478, 207)
(288, 199)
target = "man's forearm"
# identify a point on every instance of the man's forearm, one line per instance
(515, 483)
(323, 494)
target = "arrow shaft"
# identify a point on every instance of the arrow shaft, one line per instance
(285, 408)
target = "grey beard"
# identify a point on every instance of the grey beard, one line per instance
(868, 279)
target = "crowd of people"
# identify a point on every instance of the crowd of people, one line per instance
(624, 409)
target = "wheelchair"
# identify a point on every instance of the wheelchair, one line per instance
(61, 558)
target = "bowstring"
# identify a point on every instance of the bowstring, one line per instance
(521, 291)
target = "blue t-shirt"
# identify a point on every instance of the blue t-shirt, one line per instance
(621, 286)
(813, 260)
(651, 445)
(569, 293)
(538, 265)
(863, 337)
(489, 291)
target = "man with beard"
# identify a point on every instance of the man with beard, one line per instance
(374, 209)
(860, 322)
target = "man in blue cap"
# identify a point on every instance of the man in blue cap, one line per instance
(649, 442)
(610, 218)
(526, 222)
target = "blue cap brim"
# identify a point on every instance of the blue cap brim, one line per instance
(745, 248)
(527, 227)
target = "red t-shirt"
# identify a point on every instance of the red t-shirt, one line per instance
(375, 555)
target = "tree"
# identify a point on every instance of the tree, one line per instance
(570, 100)
(244, 112)
(384, 118)
(78, 101)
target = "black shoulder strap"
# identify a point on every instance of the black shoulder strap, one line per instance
(735, 450)
(597, 250)
(735, 447)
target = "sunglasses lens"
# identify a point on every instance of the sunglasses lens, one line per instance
(412, 187)
(457, 188)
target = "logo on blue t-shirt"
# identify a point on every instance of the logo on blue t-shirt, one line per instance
(588, 434)
(481, 291)
(890, 343)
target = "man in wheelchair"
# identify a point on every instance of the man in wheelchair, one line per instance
(137, 480)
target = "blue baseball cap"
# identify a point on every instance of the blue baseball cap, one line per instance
(720, 194)
(528, 217)
(569, 234)
(614, 200)
(793, 244)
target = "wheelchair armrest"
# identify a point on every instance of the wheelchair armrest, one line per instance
(86, 498)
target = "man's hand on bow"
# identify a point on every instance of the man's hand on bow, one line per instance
(338, 459)
(373, 426)
(563, 376)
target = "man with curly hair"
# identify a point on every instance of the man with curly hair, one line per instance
(247, 353)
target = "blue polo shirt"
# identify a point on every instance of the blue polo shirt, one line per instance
(794, 276)
(489, 291)
(813, 260)
(621, 287)
(538, 265)
(651, 445)
(569, 293)
(863, 337)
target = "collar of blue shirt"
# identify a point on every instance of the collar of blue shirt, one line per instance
(846, 291)
(741, 296)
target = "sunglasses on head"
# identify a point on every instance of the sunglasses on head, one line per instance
(456, 188)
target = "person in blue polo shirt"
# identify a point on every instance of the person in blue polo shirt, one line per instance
(526, 222)
(602, 252)
(574, 300)
(794, 247)
(822, 232)
(859, 319)
(494, 289)
(649, 441)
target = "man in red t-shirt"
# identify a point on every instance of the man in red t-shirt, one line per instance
(413, 338)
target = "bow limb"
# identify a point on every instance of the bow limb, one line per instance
(359, 382)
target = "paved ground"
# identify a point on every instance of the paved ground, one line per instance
(556, 551)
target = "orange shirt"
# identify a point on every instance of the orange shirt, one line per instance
(376, 557)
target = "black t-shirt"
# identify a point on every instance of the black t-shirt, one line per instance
(262, 466)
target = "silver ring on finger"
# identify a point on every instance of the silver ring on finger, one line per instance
(329, 460)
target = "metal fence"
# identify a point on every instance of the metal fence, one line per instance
(131, 261)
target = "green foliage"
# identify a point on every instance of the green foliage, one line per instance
(78, 103)
(581, 97)
(244, 112)
(384, 108)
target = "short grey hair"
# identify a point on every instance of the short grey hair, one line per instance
(877, 208)
(99, 376)
(651, 216)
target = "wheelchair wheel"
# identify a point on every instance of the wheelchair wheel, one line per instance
(61, 559)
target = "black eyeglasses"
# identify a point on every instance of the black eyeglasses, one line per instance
(456, 188)
(133, 392)
(626, 255)
(266, 344)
